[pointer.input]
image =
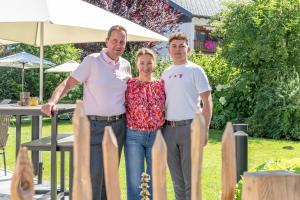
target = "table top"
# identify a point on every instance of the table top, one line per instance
(15, 109)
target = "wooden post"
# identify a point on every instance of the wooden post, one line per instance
(111, 164)
(82, 188)
(198, 132)
(228, 163)
(159, 165)
(275, 185)
(22, 186)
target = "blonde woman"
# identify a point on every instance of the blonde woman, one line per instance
(144, 101)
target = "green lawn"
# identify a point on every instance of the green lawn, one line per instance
(259, 151)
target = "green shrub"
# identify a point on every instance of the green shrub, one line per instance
(262, 39)
(216, 68)
(222, 78)
(276, 112)
(10, 83)
(161, 66)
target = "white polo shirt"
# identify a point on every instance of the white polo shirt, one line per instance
(104, 84)
(183, 84)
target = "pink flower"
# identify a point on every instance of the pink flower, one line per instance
(209, 44)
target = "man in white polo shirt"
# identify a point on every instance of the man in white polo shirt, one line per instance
(104, 76)
(185, 82)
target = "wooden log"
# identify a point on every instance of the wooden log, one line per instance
(271, 185)
(111, 164)
(82, 188)
(22, 186)
(228, 163)
(198, 134)
(159, 166)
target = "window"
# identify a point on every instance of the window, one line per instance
(203, 41)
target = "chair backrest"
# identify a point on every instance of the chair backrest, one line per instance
(4, 125)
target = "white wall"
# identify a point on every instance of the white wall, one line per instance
(187, 28)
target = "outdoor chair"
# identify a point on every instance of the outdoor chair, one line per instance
(4, 125)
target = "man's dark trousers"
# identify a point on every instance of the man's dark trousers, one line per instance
(96, 156)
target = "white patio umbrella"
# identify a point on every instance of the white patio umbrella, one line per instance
(24, 61)
(6, 42)
(69, 66)
(47, 22)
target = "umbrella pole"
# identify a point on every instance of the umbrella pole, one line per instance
(23, 77)
(41, 96)
(41, 60)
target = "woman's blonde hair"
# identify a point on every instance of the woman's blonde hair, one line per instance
(145, 51)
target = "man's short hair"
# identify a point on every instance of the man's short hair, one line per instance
(115, 28)
(178, 36)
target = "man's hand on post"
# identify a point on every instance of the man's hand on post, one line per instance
(48, 108)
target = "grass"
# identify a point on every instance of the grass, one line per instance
(259, 151)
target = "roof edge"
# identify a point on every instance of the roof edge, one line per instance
(202, 16)
(181, 9)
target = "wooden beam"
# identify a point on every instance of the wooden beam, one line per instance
(275, 185)
(159, 165)
(228, 163)
(22, 186)
(111, 164)
(82, 188)
(198, 132)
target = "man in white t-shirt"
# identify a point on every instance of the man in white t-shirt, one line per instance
(185, 85)
(104, 76)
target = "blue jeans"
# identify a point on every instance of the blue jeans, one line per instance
(138, 146)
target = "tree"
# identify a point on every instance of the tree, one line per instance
(155, 15)
(262, 38)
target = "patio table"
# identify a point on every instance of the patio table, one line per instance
(35, 112)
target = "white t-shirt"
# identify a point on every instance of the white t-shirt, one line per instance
(104, 84)
(183, 84)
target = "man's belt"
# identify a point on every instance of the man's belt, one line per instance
(106, 118)
(179, 123)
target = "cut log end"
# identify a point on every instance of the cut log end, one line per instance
(275, 185)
